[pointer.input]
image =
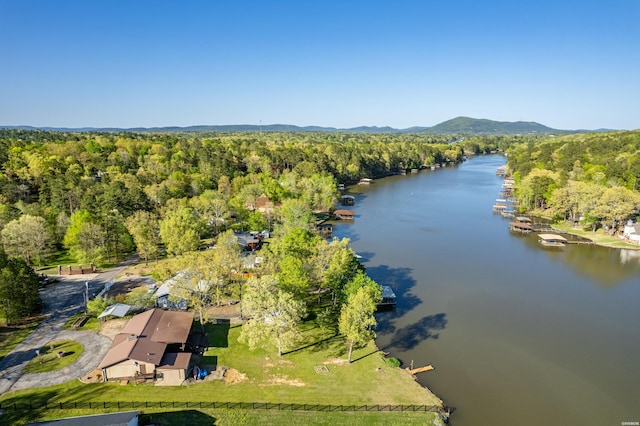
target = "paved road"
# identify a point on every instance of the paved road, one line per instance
(61, 301)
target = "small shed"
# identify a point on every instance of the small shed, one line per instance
(552, 240)
(344, 214)
(117, 310)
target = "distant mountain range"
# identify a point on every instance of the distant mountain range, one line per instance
(459, 125)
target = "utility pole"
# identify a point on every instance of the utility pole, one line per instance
(86, 296)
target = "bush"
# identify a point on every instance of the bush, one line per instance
(392, 362)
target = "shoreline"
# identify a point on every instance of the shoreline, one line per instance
(597, 239)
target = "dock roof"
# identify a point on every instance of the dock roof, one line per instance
(552, 237)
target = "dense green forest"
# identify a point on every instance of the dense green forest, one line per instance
(97, 197)
(79, 190)
(589, 179)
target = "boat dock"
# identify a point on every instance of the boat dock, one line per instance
(421, 369)
(388, 298)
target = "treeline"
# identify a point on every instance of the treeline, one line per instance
(589, 179)
(90, 192)
(100, 196)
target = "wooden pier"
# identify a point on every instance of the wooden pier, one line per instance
(421, 369)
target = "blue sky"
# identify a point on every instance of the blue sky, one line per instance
(565, 64)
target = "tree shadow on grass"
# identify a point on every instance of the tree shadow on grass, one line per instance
(365, 355)
(218, 334)
(20, 410)
(211, 361)
(427, 327)
(320, 345)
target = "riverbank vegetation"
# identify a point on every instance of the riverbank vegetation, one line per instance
(587, 180)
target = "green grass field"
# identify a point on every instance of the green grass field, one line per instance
(48, 360)
(261, 376)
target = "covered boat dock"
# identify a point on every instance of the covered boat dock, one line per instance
(552, 240)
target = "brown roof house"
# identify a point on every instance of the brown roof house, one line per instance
(151, 346)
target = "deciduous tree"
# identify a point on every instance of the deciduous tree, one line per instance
(356, 318)
(179, 231)
(19, 296)
(145, 230)
(26, 237)
(274, 314)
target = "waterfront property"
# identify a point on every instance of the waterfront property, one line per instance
(347, 200)
(552, 240)
(521, 224)
(631, 232)
(152, 345)
(500, 205)
(324, 228)
(388, 298)
(344, 214)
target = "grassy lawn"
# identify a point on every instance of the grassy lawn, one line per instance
(92, 324)
(60, 257)
(224, 417)
(262, 376)
(49, 359)
(598, 237)
(11, 336)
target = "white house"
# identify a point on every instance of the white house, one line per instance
(631, 232)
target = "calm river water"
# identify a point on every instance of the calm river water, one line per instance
(518, 334)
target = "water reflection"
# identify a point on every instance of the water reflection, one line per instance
(520, 334)
(605, 266)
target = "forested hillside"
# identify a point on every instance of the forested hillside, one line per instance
(589, 178)
(77, 190)
(97, 197)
